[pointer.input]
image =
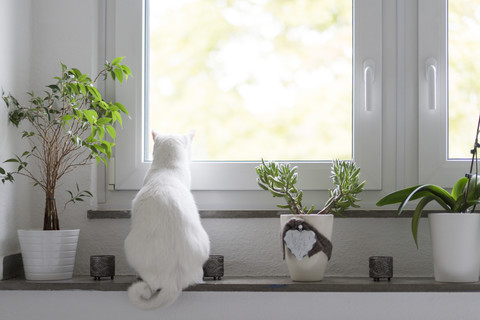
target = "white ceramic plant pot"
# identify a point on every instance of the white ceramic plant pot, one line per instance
(309, 268)
(48, 255)
(455, 244)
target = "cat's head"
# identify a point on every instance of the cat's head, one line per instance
(172, 149)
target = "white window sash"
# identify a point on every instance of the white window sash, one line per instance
(130, 167)
(434, 165)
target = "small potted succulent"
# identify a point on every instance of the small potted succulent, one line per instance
(455, 232)
(70, 126)
(306, 234)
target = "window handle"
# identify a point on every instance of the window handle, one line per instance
(431, 75)
(368, 80)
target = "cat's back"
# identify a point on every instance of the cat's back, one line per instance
(165, 197)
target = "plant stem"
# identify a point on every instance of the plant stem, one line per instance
(328, 206)
(474, 156)
(51, 215)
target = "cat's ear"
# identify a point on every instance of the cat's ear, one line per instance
(190, 134)
(154, 134)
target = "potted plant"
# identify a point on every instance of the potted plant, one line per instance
(306, 236)
(455, 232)
(70, 126)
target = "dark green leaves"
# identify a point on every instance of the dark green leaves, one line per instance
(20, 164)
(78, 196)
(451, 202)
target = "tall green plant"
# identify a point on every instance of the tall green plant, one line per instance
(67, 127)
(280, 180)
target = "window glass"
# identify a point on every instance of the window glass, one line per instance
(254, 78)
(463, 76)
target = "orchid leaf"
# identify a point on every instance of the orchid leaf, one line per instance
(443, 197)
(459, 187)
(400, 195)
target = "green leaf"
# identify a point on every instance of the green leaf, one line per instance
(73, 88)
(53, 87)
(100, 148)
(443, 197)
(67, 117)
(103, 105)
(76, 72)
(121, 107)
(91, 116)
(103, 121)
(116, 117)
(117, 60)
(119, 74)
(400, 195)
(459, 187)
(11, 160)
(101, 132)
(94, 92)
(262, 185)
(2, 171)
(417, 215)
(82, 88)
(79, 114)
(111, 131)
(83, 78)
(126, 70)
(103, 160)
(277, 193)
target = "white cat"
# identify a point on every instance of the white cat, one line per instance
(167, 244)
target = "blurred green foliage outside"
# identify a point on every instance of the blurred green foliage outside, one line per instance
(254, 78)
(273, 78)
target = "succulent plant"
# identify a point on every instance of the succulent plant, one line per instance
(280, 180)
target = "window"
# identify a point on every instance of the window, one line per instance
(235, 175)
(464, 68)
(448, 98)
(413, 85)
(255, 79)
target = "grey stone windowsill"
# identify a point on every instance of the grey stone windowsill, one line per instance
(264, 284)
(237, 214)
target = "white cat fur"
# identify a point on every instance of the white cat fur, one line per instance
(167, 244)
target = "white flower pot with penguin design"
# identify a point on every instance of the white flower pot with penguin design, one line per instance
(306, 251)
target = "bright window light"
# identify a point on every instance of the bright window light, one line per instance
(254, 78)
(463, 76)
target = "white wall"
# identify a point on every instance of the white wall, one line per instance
(242, 305)
(70, 31)
(15, 67)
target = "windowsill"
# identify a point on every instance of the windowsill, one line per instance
(248, 214)
(254, 284)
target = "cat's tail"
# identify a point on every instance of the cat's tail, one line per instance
(142, 296)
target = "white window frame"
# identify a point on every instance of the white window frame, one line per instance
(434, 165)
(130, 168)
